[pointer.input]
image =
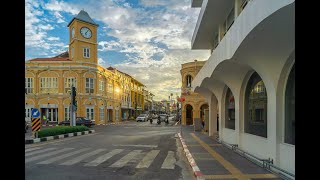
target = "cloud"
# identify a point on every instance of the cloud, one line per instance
(53, 38)
(58, 6)
(157, 28)
(108, 46)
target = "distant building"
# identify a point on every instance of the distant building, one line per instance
(102, 94)
(194, 104)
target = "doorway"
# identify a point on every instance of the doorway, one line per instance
(189, 115)
(50, 113)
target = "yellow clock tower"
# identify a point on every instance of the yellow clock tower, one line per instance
(83, 38)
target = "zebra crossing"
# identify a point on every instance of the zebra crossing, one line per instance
(90, 157)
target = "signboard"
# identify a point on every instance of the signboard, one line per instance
(35, 113)
(36, 123)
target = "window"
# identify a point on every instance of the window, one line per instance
(68, 83)
(28, 84)
(215, 41)
(117, 115)
(67, 113)
(89, 85)
(243, 4)
(110, 88)
(256, 107)
(101, 86)
(230, 19)
(86, 52)
(90, 114)
(101, 114)
(72, 52)
(230, 110)
(48, 85)
(290, 118)
(189, 80)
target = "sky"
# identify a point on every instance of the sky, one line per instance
(148, 39)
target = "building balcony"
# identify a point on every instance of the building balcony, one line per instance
(212, 14)
(270, 22)
(196, 3)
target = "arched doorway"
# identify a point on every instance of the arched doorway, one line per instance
(189, 115)
(204, 116)
(202, 108)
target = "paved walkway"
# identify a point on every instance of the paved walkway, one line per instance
(218, 162)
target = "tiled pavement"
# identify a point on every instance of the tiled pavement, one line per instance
(218, 162)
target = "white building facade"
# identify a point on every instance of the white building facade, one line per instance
(249, 79)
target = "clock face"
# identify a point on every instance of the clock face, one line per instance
(86, 32)
(72, 32)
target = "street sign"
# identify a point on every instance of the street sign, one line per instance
(35, 113)
(36, 124)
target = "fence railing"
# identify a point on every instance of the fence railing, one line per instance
(264, 163)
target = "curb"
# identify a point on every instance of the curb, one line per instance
(61, 136)
(196, 171)
(53, 125)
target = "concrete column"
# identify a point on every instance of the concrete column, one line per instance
(60, 110)
(60, 82)
(213, 103)
(237, 6)
(221, 31)
(206, 120)
(183, 117)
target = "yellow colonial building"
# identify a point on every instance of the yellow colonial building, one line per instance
(194, 105)
(103, 94)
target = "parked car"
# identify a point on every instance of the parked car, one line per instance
(142, 117)
(64, 123)
(84, 121)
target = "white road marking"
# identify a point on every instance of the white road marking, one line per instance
(123, 161)
(57, 158)
(40, 151)
(31, 149)
(104, 157)
(137, 145)
(147, 160)
(34, 158)
(82, 157)
(169, 162)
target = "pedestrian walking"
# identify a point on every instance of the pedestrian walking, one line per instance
(45, 119)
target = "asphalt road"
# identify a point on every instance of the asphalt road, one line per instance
(135, 150)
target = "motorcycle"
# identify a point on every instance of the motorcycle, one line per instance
(159, 121)
(167, 121)
(150, 121)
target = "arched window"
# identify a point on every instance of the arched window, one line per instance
(230, 110)
(256, 107)
(188, 80)
(290, 109)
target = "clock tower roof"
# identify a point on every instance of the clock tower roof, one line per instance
(83, 16)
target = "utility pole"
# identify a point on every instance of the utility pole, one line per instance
(73, 106)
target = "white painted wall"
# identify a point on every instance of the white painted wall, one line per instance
(287, 157)
(255, 145)
(229, 136)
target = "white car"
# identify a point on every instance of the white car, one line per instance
(142, 117)
(163, 117)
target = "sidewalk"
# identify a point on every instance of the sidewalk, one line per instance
(210, 160)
